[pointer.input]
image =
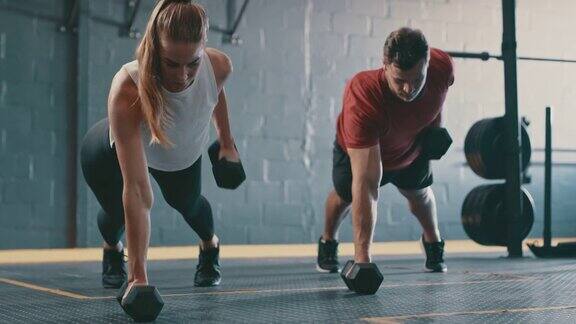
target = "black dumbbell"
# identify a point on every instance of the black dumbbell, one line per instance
(228, 175)
(435, 142)
(121, 292)
(344, 271)
(142, 304)
(362, 278)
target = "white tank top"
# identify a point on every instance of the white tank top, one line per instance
(191, 110)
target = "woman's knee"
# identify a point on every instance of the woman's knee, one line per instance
(190, 206)
(202, 206)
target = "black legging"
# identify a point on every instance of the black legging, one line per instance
(181, 189)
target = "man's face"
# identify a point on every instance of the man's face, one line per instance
(407, 84)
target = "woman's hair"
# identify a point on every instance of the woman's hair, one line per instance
(174, 20)
(405, 47)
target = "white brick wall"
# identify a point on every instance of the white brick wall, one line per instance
(346, 37)
(284, 129)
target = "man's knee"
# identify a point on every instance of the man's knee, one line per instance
(418, 196)
(334, 199)
(343, 194)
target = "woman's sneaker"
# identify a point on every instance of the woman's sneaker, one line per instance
(113, 268)
(208, 268)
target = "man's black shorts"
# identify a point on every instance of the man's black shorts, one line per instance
(416, 176)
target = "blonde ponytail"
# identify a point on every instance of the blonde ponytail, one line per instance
(175, 20)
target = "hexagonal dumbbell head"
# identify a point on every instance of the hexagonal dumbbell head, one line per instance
(345, 271)
(143, 303)
(436, 143)
(365, 278)
(121, 292)
(228, 175)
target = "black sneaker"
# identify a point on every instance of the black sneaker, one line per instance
(327, 260)
(208, 268)
(434, 256)
(113, 269)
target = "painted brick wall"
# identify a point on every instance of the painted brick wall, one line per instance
(284, 97)
(33, 143)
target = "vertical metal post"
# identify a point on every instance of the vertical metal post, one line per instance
(514, 158)
(230, 15)
(548, 181)
(72, 127)
(82, 116)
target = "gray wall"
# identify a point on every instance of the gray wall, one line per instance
(284, 97)
(34, 85)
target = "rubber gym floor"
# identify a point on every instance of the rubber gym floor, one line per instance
(270, 284)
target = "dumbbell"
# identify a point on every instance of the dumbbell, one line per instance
(344, 271)
(121, 292)
(142, 304)
(228, 175)
(435, 142)
(362, 278)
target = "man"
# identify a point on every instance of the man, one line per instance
(384, 112)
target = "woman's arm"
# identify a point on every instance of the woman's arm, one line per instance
(222, 67)
(125, 120)
(222, 122)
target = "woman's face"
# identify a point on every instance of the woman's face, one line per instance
(179, 62)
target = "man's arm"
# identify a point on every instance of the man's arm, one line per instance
(437, 122)
(366, 175)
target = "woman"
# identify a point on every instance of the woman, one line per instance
(159, 112)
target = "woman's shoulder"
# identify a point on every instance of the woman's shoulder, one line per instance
(123, 92)
(221, 63)
(124, 81)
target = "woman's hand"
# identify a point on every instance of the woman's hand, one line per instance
(229, 153)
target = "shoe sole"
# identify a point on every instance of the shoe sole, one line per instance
(109, 285)
(326, 271)
(435, 271)
(217, 283)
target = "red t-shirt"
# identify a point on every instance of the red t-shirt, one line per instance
(372, 114)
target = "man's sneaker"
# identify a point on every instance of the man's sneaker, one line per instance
(113, 269)
(434, 256)
(208, 268)
(327, 260)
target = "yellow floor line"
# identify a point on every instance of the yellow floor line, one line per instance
(381, 320)
(43, 289)
(262, 291)
(250, 251)
(399, 319)
(252, 291)
(473, 282)
(255, 291)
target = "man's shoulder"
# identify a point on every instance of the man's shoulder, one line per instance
(366, 81)
(441, 65)
(441, 60)
(367, 76)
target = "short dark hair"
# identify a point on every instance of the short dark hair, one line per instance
(405, 47)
